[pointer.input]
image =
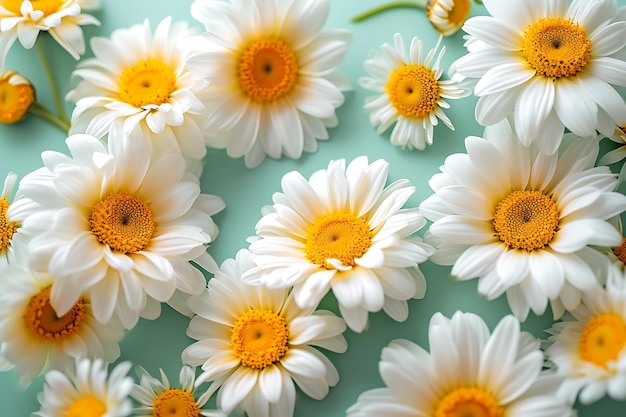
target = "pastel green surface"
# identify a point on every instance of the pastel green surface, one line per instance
(159, 343)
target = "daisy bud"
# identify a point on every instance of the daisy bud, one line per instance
(17, 94)
(447, 16)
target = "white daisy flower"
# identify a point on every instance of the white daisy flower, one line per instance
(343, 230)
(36, 338)
(551, 63)
(120, 227)
(589, 349)
(13, 240)
(618, 154)
(62, 19)
(159, 398)
(138, 83)
(87, 391)
(523, 222)
(272, 73)
(468, 372)
(255, 342)
(411, 93)
(447, 16)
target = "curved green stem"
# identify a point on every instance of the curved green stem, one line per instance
(53, 85)
(419, 4)
(40, 111)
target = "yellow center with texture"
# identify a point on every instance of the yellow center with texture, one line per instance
(46, 6)
(603, 339)
(413, 90)
(468, 402)
(175, 402)
(15, 100)
(88, 406)
(7, 228)
(149, 82)
(43, 322)
(259, 338)
(620, 251)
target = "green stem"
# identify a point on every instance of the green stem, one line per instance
(53, 85)
(40, 111)
(420, 4)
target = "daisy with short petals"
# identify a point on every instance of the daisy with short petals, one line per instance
(272, 74)
(618, 154)
(17, 95)
(343, 230)
(411, 92)
(89, 390)
(552, 63)
(447, 16)
(468, 372)
(255, 342)
(523, 222)
(13, 240)
(120, 227)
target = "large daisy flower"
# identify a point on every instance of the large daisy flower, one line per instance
(343, 230)
(89, 390)
(551, 63)
(255, 342)
(62, 19)
(468, 372)
(411, 93)
(272, 73)
(120, 227)
(521, 221)
(35, 337)
(13, 240)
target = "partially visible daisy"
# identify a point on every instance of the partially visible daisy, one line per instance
(120, 227)
(589, 349)
(523, 222)
(447, 16)
(343, 230)
(411, 92)
(551, 64)
(468, 372)
(17, 95)
(13, 240)
(159, 398)
(272, 74)
(62, 19)
(254, 343)
(36, 338)
(617, 154)
(88, 390)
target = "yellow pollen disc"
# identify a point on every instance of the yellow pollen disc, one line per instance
(46, 6)
(468, 402)
(413, 90)
(123, 222)
(526, 220)
(620, 251)
(175, 402)
(337, 235)
(88, 406)
(556, 47)
(43, 321)
(267, 69)
(148, 82)
(15, 100)
(603, 339)
(259, 338)
(457, 15)
(7, 228)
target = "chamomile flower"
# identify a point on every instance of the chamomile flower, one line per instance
(447, 16)
(17, 95)
(618, 154)
(272, 74)
(120, 227)
(411, 92)
(552, 64)
(523, 222)
(343, 230)
(13, 240)
(468, 372)
(88, 390)
(62, 19)
(36, 338)
(255, 342)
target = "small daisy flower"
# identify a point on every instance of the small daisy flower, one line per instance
(550, 64)
(411, 92)
(343, 230)
(89, 390)
(62, 19)
(36, 338)
(272, 74)
(17, 95)
(589, 349)
(159, 398)
(255, 342)
(523, 222)
(120, 227)
(468, 372)
(617, 154)
(13, 240)
(447, 16)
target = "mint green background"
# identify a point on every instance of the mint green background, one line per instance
(158, 343)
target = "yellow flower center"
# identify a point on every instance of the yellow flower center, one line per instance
(556, 47)
(15, 100)
(259, 338)
(456, 15)
(123, 222)
(88, 406)
(267, 69)
(46, 6)
(603, 339)
(337, 235)
(7, 228)
(468, 402)
(175, 402)
(413, 90)
(148, 82)
(43, 321)
(526, 220)
(620, 251)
